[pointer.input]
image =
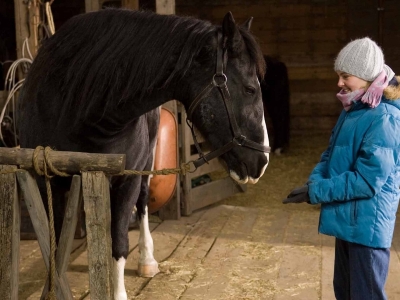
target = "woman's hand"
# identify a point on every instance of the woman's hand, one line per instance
(298, 195)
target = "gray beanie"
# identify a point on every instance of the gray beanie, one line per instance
(362, 58)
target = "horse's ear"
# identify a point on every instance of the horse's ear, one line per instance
(232, 37)
(246, 25)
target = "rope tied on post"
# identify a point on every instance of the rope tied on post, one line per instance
(48, 170)
(48, 164)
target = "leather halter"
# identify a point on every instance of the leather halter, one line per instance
(219, 81)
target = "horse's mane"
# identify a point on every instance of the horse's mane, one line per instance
(93, 58)
(256, 56)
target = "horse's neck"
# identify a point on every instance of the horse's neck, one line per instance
(133, 109)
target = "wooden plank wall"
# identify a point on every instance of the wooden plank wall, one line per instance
(381, 25)
(306, 35)
(391, 34)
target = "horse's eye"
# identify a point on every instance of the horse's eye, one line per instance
(250, 90)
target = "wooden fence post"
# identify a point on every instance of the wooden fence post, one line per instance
(96, 198)
(9, 234)
(93, 187)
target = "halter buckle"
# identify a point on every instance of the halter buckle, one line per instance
(239, 140)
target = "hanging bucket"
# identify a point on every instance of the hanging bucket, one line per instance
(162, 187)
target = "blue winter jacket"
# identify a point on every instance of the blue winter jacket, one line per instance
(357, 180)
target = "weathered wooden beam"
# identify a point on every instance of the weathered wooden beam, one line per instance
(131, 4)
(92, 5)
(34, 203)
(69, 162)
(27, 19)
(69, 224)
(165, 7)
(96, 199)
(9, 234)
(68, 230)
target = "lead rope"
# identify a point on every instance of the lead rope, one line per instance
(47, 163)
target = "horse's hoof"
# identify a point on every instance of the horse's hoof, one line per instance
(121, 296)
(148, 270)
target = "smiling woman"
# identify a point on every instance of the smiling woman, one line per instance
(357, 179)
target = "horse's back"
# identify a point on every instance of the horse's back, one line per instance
(73, 91)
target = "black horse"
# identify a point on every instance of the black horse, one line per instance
(97, 84)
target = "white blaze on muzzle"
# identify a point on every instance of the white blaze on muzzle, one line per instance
(249, 179)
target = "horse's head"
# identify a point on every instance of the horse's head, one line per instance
(226, 105)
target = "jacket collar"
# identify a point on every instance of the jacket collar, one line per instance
(392, 92)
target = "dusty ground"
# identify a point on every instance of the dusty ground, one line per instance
(300, 228)
(284, 172)
(249, 246)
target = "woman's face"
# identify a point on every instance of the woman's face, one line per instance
(350, 83)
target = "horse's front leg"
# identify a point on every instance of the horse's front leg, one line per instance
(124, 194)
(148, 266)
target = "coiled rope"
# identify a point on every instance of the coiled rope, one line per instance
(48, 164)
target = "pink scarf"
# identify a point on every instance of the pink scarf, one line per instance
(372, 96)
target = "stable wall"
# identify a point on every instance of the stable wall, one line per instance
(307, 35)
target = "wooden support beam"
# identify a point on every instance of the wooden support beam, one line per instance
(27, 19)
(165, 7)
(96, 199)
(31, 194)
(68, 229)
(9, 234)
(69, 162)
(131, 4)
(92, 5)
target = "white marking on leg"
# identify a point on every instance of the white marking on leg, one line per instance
(147, 266)
(118, 279)
(146, 249)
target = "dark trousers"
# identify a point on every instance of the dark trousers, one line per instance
(360, 272)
